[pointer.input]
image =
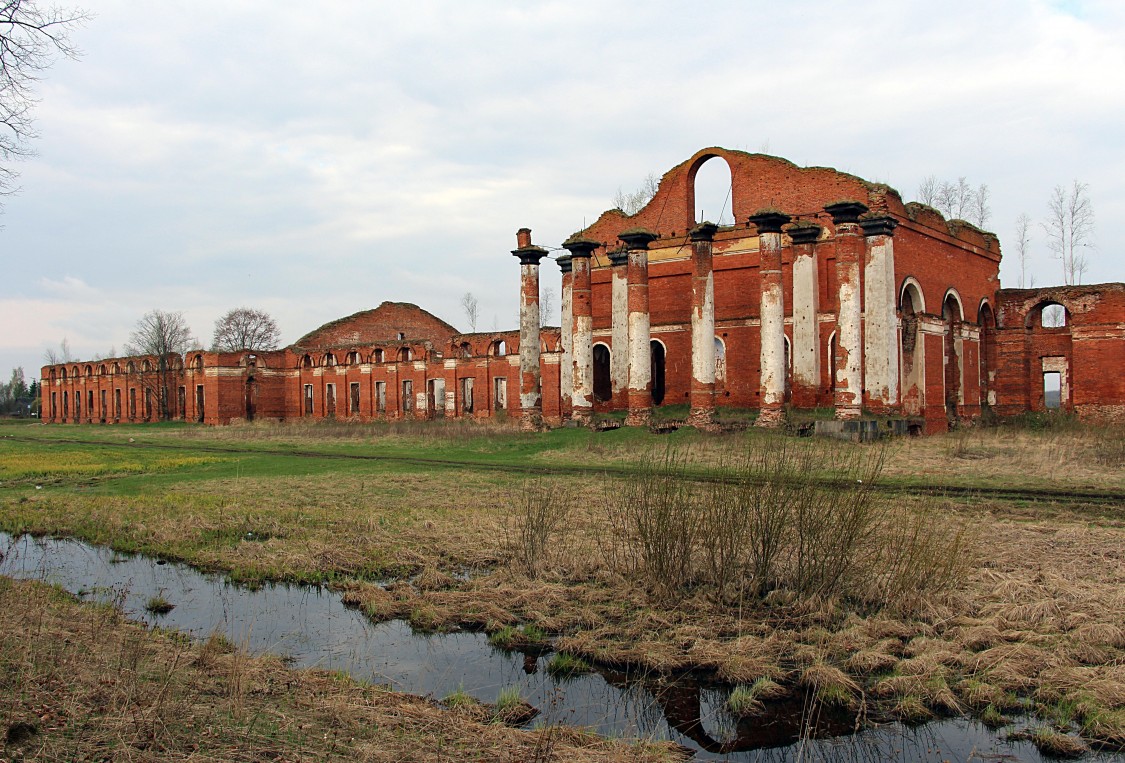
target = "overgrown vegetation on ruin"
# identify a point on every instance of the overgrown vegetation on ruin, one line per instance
(926, 578)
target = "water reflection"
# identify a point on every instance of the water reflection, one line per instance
(311, 627)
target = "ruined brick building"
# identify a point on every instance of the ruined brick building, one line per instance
(827, 292)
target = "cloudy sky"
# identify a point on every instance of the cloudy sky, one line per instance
(315, 159)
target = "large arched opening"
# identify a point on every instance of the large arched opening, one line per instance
(952, 316)
(712, 192)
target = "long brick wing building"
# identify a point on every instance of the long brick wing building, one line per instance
(827, 292)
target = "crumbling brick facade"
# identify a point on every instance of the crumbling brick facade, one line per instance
(828, 291)
(1082, 343)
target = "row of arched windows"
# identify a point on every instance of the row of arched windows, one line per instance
(328, 360)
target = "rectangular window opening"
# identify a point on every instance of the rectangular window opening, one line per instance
(1052, 390)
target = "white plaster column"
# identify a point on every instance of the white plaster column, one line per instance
(582, 343)
(619, 327)
(566, 338)
(772, 344)
(881, 346)
(702, 392)
(531, 396)
(639, 392)
(849, 331)
(806, 309)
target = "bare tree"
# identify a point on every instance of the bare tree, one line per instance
(1023, 248)
(165, 337)
(245, 328)
(956, 201)
(1069, 227)
(472, 310)
(30, 38)
(928, 191)
(979, 210)
(546, 305)
(632, 203)
(55, 357)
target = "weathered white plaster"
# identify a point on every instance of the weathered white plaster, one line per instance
(583, 352)
(773, 345)
(880, 335)
(806, 332)
(703, 336)
(566, 371)
(619, 342)
(640, 351)
(849, 371)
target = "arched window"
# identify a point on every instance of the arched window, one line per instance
(116, 368)
(658, 360)
(720, 361)
(89, 371)
(130, 367)
(832, 362)
(712, 192)
(603, 386)
(197, 362)
(1049, 315)
(377, 355)
(952, 315)
(910, 306)
(498, 348)
(465, 350)
(404, 355)
(329, 360)
(353, 358)
(306, 361)
(146, 366)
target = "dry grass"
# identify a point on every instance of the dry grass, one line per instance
(1033, 613)
(79, 683)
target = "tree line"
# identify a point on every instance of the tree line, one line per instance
(17, 396)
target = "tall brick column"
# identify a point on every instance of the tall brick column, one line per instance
(849, 353)
(806, 309)
(566, 338)
(702, 393)
(582, 341)
(880, 319)
(619, 326)
(639, 392)
(772, 356)
(531, 397)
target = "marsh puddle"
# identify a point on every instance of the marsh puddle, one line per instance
(312, 627)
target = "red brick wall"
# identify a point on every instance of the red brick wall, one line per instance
(1092, 342)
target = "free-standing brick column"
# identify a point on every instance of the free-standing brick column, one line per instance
(639, 392)
(849, 353)
(582, 342)
(531, 397)
(880, 319)
(566, 338)
(702, 392)
(806, 308)
(619, 326)
(772, 357)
